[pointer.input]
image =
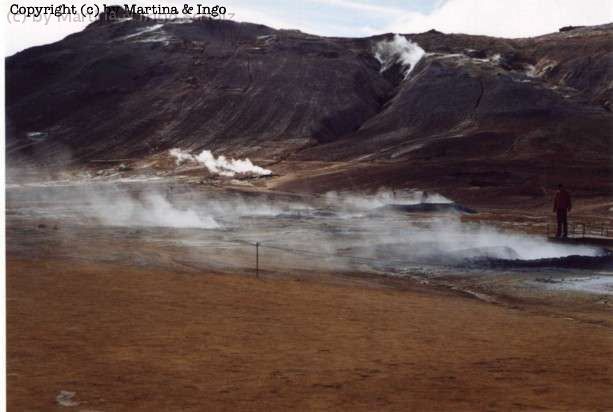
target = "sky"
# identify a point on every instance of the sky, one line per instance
(352, 18)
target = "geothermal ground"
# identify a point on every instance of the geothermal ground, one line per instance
(141, 293)
(132, 280)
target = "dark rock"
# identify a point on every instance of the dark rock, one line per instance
(570, 28)
(476, 54)
(114, 13)
(603, 261)
(430, 208)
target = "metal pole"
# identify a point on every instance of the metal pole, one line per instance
(257, 259)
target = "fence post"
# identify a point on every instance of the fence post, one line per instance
(257, 259)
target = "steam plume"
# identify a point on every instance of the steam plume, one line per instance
(220, 166)
(398, 50)
(151, 210)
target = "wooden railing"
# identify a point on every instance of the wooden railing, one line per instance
(583, 230)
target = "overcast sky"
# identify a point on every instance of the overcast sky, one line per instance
(356, 18)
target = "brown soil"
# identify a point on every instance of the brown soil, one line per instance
(129, 338)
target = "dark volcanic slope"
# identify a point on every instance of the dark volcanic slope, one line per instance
(110, 91)
(131, 88)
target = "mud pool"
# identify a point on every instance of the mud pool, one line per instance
(189, 227)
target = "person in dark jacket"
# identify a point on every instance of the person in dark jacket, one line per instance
(561, 206)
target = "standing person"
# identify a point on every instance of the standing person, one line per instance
(424, 197)
(561, 206)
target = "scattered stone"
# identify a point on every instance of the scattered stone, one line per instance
(545, 280)
(124, 167)
(476, 54)
(65, 398)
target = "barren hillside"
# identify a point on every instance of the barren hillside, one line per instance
(473, 112)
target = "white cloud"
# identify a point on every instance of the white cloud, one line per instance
(365, 7)
(518, 18)
(273, 20)
(19, 35)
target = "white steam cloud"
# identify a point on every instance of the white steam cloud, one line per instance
(399, 50)
(220, 166)
(345, 231)
(384, 198)
(443, 237)
(150, 210)
(452, 237)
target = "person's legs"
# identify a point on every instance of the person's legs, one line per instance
(565, 223)
(559, 221)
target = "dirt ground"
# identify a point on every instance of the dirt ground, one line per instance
(133, 338)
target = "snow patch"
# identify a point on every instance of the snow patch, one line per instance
(143, 31)
(496, 58)
(122, 20)
(181, 21)
(155, 39)
(530, 70)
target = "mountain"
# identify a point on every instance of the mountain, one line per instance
(474, 113)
